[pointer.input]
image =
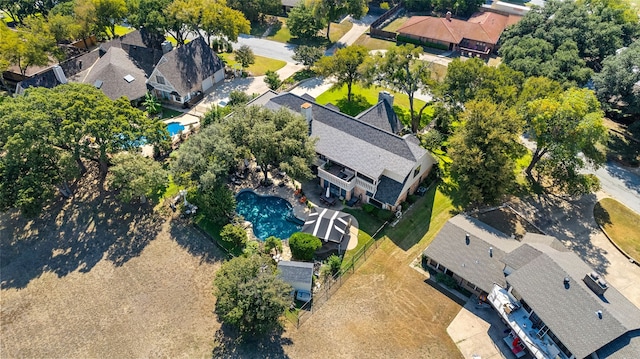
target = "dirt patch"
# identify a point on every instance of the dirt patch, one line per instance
(385, 310)
(92, 278)
(507, 222)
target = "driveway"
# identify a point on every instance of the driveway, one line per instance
(267, 48)
(621, 184)
(359, 27)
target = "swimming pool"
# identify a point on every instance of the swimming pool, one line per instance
(174, 128)
(268, 214)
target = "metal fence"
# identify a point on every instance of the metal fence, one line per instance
(331, 285)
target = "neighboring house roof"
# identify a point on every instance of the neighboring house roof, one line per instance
(571, 313)
(49, 79)
(381, 116)
(472, 261)
(290, 3)
(327, 224)
(485, 27)
(351, 142)
(187, 66)
(143, 38)
(296, 273)
(110, 71)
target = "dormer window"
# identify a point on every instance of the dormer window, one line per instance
(160, 79)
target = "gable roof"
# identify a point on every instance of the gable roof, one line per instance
(349, 141)
(187, 66)
(472, 261)
(296, 272)
(571, 313)
(381, 116)
(389, 190)
(111, 70)
(484, 27)
(50, 78)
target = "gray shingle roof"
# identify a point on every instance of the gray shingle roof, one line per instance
(45, 79)
(520, 256)
(472, 261)
(571, 313)
(389, 190)
(550, 241)
(625, 347)
(381, 116)
(296, 272)
(353, 143)
(188, 65)
(111, 69)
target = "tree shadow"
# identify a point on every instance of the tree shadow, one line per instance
(198, 245)
(74, 234)
(571, 221)
(229, 344)
(357, 104)
(415, 222)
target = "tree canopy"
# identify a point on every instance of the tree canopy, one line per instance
(345, 66)
(245, 56)
(249, 295)
(137, 177)
(567, 129)
(559, 39)
(255, 10)
(401, 70)
(47, 134)
(618, 84)
(484, 150)
(307, 55)
(332, 10)
(303, 23)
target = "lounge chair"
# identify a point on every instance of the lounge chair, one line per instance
(353, 201)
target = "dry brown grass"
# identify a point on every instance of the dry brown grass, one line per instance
(621, 225)
(92, 278)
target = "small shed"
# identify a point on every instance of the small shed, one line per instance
(298, 274)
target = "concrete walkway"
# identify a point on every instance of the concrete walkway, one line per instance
(359, 27)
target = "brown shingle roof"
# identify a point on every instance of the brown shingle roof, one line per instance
(483, 26)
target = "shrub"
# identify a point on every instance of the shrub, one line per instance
(368, 207)
(234, 234)
(385, 215)
(252, 247)
(271, 243)
(412, 198)
(385, 6)
(334, 263)
(304, 245)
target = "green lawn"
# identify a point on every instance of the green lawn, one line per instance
(395, 24)
(169, 113)
(621, 225)
(284, 35)
(363, 98)
(122, 30)
(213, 229)
(259, 68)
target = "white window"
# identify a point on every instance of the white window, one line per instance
(160, 79)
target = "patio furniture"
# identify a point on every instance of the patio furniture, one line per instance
(354, 200)
(330, 201)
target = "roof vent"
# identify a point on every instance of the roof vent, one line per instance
(490, 251)
(98, 84)
(448, 15)
(567, 282)
(599, 313)
(467, 239)
(129, 78)
(595, 283)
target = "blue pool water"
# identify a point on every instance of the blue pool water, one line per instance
(268, 214)
(174, 128)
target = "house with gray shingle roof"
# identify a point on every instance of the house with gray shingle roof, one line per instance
(555, 304)
(356, 158)
(298, 274)
(186, 72)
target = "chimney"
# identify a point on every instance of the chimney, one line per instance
(448, 16)
(385, 95)
(595, 283)
(306, 109)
